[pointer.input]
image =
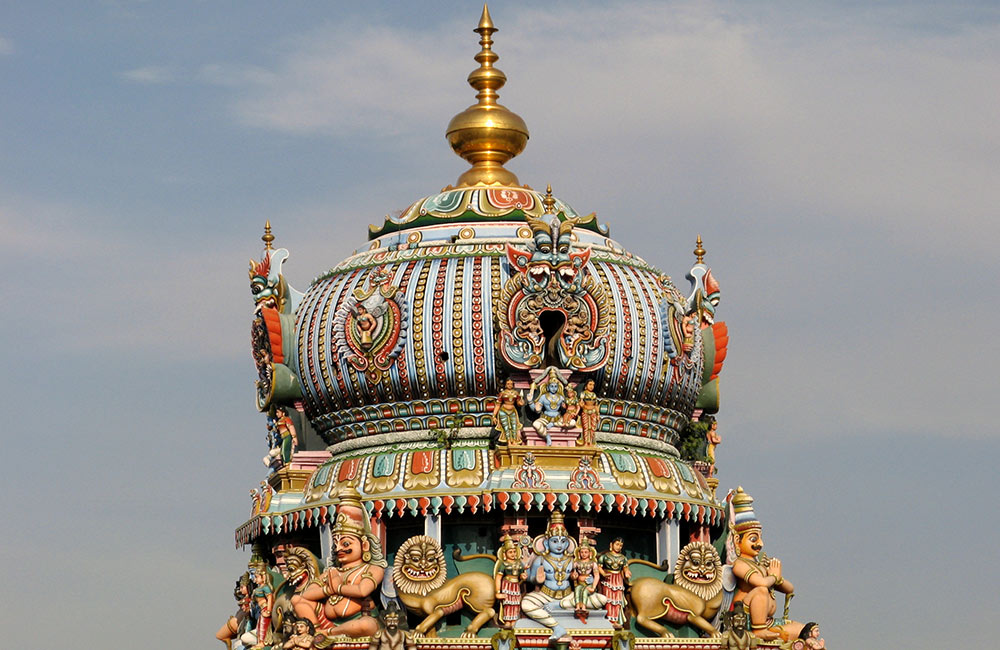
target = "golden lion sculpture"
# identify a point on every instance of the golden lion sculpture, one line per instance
(420, 576)
(695, 597)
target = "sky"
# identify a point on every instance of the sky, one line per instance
(840, 160)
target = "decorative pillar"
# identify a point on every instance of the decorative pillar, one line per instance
(668, 541)
(326, 543)
(432, 527)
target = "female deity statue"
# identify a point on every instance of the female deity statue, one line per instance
(589, 414)
(585, 578)
(615, 575)
(289, 439)
(572, 408)
(510, 575)
(263, 595)
(506, 417)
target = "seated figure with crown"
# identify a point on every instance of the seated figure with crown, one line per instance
(757, 576)
(339, 601)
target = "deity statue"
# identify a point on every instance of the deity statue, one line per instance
(712, 437)
(757, 577)
(589, 414)
(810, 634)
(366, 325)
(302, 639)
(506, 417)
(549, 404)
(572, 408)
(338, 602)
(389, 636)
(551, 569)
(688, 326)
(263, 596)
(585, 578)
(510, 575)
(273, 458)
(615, 575)
(289, 439)
(736, 636)
(241, 621)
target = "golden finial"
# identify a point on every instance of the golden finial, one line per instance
(699, 252)
(267, 237)
(549, 201)
(487, 134)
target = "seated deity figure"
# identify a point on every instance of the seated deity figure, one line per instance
(551, 569)
(549, 404)
(757, 577)
(585, 578)
(338, 602)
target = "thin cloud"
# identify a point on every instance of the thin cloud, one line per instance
(152, 75)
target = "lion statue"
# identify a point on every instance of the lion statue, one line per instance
(301, 568)
(420, 576)
(695, 597)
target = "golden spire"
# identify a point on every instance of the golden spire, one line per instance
(699, 252)
(487, 134)
(267, 237)
(549, 201)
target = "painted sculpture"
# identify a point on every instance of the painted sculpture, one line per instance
(369, 329)
(240, 622)
(589, 414)
(286, 431)
(337, 603)
(302, 638)
(757, 576)
(550, 570)
(552, 289)
(397, 389)
(263, 597)
(585, 578)
(615, 576)
(389, 635)
(736, 635)
(421, 579)
(506, 416)
(549, 404)
(510, 575)
(694, 598)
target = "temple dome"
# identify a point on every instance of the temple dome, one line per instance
(437, 275)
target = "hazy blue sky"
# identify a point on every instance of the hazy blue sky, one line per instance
(841, 161)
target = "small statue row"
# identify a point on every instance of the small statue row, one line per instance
(556, 403)
(538, 580)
